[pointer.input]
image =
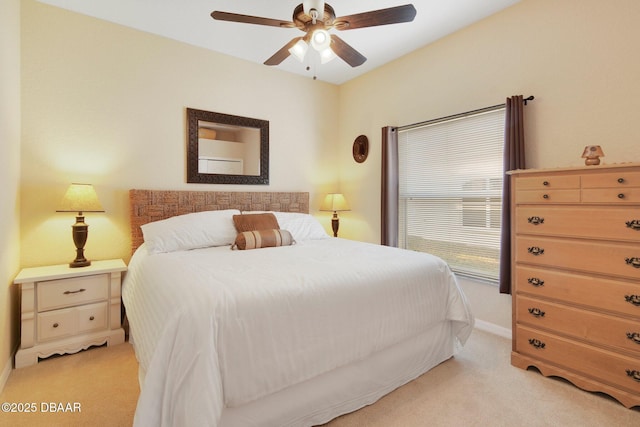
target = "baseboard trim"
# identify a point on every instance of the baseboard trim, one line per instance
(492, 328)
(4, 377)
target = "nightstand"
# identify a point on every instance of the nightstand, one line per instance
(65, 310)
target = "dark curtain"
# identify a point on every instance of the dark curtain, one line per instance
(389, 206)
(513, 159)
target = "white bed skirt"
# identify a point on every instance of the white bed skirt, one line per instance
(348, 388)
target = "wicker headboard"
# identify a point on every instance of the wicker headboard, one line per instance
(153, 205)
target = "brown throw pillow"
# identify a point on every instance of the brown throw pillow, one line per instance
(250, 222)
(262, 239)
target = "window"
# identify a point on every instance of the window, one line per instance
(450, 190)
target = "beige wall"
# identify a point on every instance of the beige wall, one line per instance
(9, 179)
(105, 104)
(578, 57)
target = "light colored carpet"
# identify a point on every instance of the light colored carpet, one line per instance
(478, 387)
(103, 380)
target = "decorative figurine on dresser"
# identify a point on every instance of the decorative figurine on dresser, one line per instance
(576, 276)
(65, 309)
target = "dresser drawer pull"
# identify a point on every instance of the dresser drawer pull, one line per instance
(535, 220)
(534, 250)
(632, 299)
(633, 262)
(536, 312)
(545, 196)
(621, 196)
(635, 375)
(536, 343)
(74, 292)
(534, 281)
(55, 325)
(91, 318)
(634, 224)
(634, 336)
(620, 180)
(546, 183)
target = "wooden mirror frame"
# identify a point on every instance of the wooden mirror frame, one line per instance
(193, 174)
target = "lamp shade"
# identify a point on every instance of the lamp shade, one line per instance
(80, 198)
(327, 55)
(335, 202)
(592, 151)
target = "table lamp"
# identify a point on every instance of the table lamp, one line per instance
(592, 154)
(335, 202)
(80, 198)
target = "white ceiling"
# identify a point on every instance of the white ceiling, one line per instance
(190, 22)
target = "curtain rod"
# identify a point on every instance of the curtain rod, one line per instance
(460, 115)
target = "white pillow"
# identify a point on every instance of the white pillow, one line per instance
(302, 226)
(190, 231)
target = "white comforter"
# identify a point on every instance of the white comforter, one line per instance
(216, 328)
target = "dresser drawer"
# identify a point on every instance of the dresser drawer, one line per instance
(581, 324)
(619, 259)
(620, 179)
(548, 182)
(616, 223)
(604, 366)
(615, 296)
(73, 291)
(547, 196)
(611, 196)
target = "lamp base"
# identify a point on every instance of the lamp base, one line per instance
(592, 161)
(80, 231)
(79, 263)
(335, 224)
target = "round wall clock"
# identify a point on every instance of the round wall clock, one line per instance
(360, 148)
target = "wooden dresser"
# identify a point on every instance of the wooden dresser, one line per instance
(576, 276)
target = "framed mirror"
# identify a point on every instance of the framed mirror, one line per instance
(226, 149)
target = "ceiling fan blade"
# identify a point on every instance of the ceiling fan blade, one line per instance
(392, 15)
(346, 52)
(247, 19)
(282, 54)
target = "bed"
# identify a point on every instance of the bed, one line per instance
(290, 335)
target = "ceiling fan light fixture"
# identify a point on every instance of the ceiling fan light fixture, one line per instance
(320, 40)
(299, 50)
(314, 5)
(327, 55)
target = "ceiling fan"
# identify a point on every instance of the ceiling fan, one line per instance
(315, 18)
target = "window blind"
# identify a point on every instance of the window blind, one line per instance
(450, 190)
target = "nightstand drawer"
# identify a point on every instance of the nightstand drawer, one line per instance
(56, 324)
(73, 291)
(71, 321)
(92, 317)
